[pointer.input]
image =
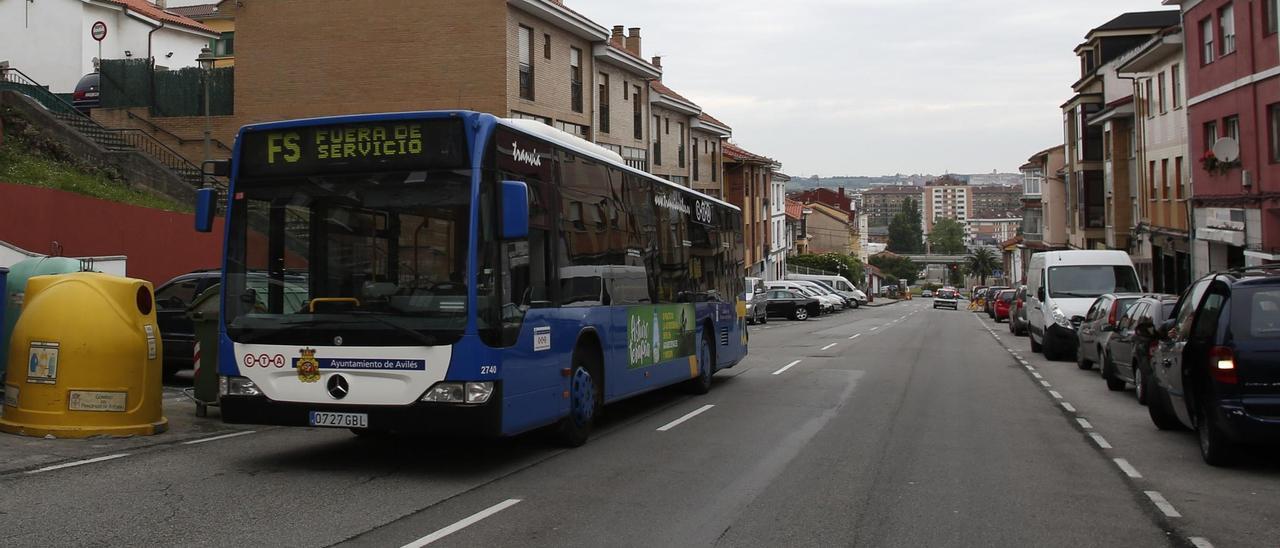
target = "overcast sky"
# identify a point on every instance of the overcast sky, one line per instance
(874, 87)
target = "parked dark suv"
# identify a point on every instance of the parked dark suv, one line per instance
(1217, 366)
(176, 330)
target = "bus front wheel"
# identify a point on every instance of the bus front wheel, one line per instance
(706, 367)
(584, 399)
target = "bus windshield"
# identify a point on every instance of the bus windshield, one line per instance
(365, 259)
(1091, 281)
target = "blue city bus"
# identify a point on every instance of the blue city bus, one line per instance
(455, 272)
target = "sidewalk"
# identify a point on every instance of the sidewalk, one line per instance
(24, 452)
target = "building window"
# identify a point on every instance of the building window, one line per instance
(526, 116)
(1206, 38)
(637, 116)
(1150, 100)
(657, 140)
(1151, 181)
(697, 159)
(1232, 124)
(1273, 119)
(1164, 177)
(526, 63)
(571, 128)
(1160, 88)
(1269, 11)
(575, 79)
(224, 45)
(546, 46)
(604, 103)
(680, 129)
(1175, 80)
(715, 163)
(1227, 23)
(1210, 134)
(1177, 178)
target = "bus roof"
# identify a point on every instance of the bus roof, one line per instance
(529, 127)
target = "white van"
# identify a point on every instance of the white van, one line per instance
(839, 284)
(1062, 285)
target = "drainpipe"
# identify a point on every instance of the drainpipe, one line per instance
(151, 86)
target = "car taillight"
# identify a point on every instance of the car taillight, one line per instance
(1111, 316)
(1222, 365)
(78, 95)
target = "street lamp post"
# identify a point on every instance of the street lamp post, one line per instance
(206, 66)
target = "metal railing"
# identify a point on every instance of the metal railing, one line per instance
(112, 139)
(797, 269)
(181, 141)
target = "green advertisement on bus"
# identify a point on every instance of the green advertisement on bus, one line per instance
(659, 333)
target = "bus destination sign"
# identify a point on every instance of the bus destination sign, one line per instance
(359, 147)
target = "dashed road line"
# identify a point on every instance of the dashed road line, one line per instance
(1127, 468)
(1162, 504)
(786, 367)
(1055, 394)
(1045, 384)
(1101, 441)
(855, 335)
(688, 416)
(1068, 407)
(77, 463)
(462, 524)
(222, 437)
(1084, 424)
(1037, 375)
(828, 347)
(1200, 542)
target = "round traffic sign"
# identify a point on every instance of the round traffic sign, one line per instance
(98, 31)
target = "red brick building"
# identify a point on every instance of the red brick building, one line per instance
(1233, 96)
(834, 198)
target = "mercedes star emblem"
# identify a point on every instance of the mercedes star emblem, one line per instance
(338, 387)
(337, 341)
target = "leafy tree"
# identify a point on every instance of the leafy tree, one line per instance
(947, 237)
(981, 262)
(905, 235)
(844, 265)
(897, 267)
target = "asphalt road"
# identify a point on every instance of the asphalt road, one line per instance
(891, 426)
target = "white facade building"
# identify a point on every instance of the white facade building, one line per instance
(779, 242)
(50, 41)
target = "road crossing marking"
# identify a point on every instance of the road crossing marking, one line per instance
(222, 437)
(77, 463)
(688, 416)
(463, 524)
(1098, 439)
(786, 367)
(1162, 504)
(827, 347)
(1128, 469)
(1084, 424)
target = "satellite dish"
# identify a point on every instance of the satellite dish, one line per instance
(1226, 149)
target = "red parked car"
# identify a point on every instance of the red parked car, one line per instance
(1003, 303)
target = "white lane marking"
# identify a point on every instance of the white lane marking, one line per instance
(829, 346)
(1101, 441)
(690, 415)
(1128, 469)
(855, 335)
(1045, 384)
(1084, 424)
(1200, 542)
(1029, 368)
(875, 328)
(222, 437)
(1162, 504)
(1055, 394)
(463, 524)
(786, 367)
(1037, 375)
(77, 463)
(1025, 362)
(1068, 407)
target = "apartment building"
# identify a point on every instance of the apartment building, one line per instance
(991, 232)
(1162, 247)
(673, 116)
(1044, 208)
(706, 142)
(1087, 145)
(995, 200)
(622, 96)
(221, 22)
(797, 236)
(946, 198)
(1233, 102)
(748, 183)
(1119, 153)
(882, 203)
(830, 230)
(835, 198)
(779, 245)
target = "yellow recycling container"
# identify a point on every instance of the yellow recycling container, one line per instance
(85, 359)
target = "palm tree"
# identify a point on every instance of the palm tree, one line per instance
(981, 262)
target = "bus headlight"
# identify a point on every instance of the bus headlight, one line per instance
(238, 386)
(458, 392)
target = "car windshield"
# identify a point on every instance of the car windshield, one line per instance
(1091, 281)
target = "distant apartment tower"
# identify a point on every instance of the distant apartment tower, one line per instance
(993, 201)
(882, 203)
(946, 197)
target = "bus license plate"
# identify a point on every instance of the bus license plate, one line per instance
(339, 420)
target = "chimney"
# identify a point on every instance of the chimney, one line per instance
(633, 41)
(160, 4)
(617, 39)
(657, 61)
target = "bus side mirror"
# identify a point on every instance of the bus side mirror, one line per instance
(216, 168)
(206, 206)
(515, 210)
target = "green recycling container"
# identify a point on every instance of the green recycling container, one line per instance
(15, 288)
(204, 316)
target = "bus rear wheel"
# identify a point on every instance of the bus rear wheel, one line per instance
(584, 400)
